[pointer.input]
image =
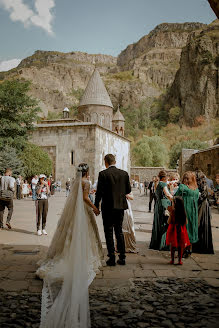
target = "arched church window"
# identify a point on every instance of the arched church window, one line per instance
(95, 118)
(102, 119)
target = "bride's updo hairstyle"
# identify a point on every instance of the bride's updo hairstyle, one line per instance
(83, 168)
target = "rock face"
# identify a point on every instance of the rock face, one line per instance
(144, 69)
(196, 85)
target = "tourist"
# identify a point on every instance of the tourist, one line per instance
(188, 190)
(25, 189)
(52, 186)
(146, 184)
(42, 191)
(7, 184)
(34, 182)
(128, 227)
(59, 185)
(152, 189)
(173, 182)
(177, 236)
(18, 187)
(216, 191)
(210, 188)
(141, 188)
(68, 186)
(204, 244)
(163, 198)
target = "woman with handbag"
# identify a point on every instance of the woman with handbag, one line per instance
(189, 192)
(163, 200)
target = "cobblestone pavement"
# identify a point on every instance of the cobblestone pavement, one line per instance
(147, 292)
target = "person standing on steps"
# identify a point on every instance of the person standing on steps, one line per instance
(42, 192)
(112, 187)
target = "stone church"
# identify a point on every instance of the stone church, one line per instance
(88, 138)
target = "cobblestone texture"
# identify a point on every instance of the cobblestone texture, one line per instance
(157, 303)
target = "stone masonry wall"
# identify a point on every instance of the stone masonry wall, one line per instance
(88, 142)
(110, 143)
(146, 173)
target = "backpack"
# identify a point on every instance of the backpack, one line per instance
(6, 195)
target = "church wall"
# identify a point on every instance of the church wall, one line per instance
(107, 142)
(78, 139)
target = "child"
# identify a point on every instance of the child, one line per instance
(25, 189)
(177, 235)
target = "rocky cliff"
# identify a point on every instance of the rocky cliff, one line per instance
(144, 69)
(196, 86)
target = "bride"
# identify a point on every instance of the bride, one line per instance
(72, 261)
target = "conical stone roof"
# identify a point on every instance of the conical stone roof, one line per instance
(118, 116)
(95, 92)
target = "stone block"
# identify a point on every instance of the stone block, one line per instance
(17, 275)
(122, 274)
(24, 268)
(144, 273)
(35, 289)
(209, 274)
(164, 273)
(209, 266)
(212, 281)
(13, 285)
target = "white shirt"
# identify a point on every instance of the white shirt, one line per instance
(34, 183)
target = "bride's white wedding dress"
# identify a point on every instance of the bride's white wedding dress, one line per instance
(72, 261)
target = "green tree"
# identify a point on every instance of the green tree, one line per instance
(35, 160)
(177, 149)
(174, 114)
(18, 111)
(150, 151)
(10, 158)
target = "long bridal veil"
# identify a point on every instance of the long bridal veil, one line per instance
(67, 270)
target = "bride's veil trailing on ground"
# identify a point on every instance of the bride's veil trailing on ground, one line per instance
(65, 298)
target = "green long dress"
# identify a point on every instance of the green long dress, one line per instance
(158, 223)
(190, 198)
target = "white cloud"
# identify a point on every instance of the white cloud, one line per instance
(41, 17)
(9, 64)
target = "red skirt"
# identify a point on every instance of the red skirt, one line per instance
(177, 236)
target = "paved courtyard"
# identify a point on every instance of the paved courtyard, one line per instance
(147, 292)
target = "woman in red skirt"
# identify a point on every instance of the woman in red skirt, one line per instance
(177, 235)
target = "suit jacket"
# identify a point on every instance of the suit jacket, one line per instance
(112, 187)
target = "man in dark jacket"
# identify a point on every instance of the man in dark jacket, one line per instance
(112, 187)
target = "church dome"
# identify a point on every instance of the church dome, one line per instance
(118, 116)
(95, 92)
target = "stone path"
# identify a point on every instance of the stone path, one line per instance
(147, 292)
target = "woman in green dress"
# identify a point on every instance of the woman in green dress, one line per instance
(160, 221)
(188, 190)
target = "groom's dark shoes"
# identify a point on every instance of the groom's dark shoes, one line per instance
(121, 261)
(111, 261)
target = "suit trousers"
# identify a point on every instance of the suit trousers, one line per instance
(9, 205)
(41, 211)
(151, 198)
(18, 192)
(112, 220)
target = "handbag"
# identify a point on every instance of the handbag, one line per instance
(6, 195)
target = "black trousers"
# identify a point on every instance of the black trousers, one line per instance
(18, 192)
(41, 211)
(112, 220)
(9, 205)
(151, 198)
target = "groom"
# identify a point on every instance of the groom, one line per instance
(112, 187)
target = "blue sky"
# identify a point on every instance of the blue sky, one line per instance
(93, 26)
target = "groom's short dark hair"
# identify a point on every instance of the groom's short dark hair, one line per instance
(110, 159)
